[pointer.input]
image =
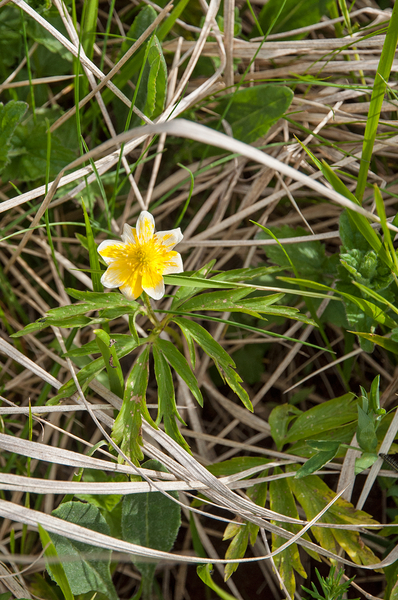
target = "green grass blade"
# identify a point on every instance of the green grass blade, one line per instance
(379, 89)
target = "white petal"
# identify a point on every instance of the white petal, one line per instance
(170, 238)
(128, 234)
(107, 244)
(145, 226)
(174, 266)
(156, 292)
(112, 278)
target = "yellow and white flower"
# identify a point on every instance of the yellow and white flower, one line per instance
(140, 260)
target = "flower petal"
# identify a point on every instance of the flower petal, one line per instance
(129, 235)
(113, 277)
(111, 250)
(153, 284)
(170, 238)
(145, 226)
(132, 289)
(174, 265)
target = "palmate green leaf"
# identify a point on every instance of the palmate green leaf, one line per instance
(101, 299)
(181, 366)
(221, 358)
(55, 569)
(112, 364)
(10, 115)
(279, 420)
(252, 111)
(243, 533)
(167, 409)
(323, 417)
(84, 572)
(313, 495)
(87, 373)
(127, 428)
(287, 561)
(151, 520)
(185, 292)
(218, 301)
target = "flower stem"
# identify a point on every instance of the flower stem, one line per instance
(151, 315)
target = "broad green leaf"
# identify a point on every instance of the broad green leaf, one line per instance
(181, 366)
(29, 152)
(328, 415)
(279, 420)
(365, 461)
(287, 561)
(55, 569)
(319, 459)
(167, 409)
(151, 520)
(204, 572)
(85, 572)
(295, 14)
(366, 431)
(157, 80)
(253, 110)
(112, 364)
(10, 116)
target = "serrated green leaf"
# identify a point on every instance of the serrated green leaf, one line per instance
(180, 365)
(313, 495)
(157, 80)
(85, 574)
(223, 361)
(167, 409)
(87, 373)
(219, 301)
(112, 365)
(127, 428)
